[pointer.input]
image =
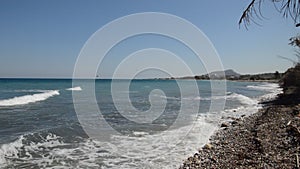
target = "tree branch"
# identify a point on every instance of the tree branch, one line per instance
(288, 8)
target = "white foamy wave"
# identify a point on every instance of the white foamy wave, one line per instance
(204, 98)
(192, 98)
(163, 150)
(32, 90)
(21, 100)
(13, 150)
(197, 98)
(140, 133)
(264, 87)
(78, 88)
(272, 87)
(273, 90)
(10, 150)
(243, 99)
(166, 97)
(52, 152)
(271, 96)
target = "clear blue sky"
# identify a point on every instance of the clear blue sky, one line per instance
(43, 38)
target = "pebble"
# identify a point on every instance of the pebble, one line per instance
(259, 140)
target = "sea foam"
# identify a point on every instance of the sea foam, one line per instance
(242, 98)
(52, 150)
(21, 100)
(78, 88)
(264, 87)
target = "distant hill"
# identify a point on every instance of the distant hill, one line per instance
(232, 75)
(227, 74)
(220, 74)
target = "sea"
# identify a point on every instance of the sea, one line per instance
(148, 124)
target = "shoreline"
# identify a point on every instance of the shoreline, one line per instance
(267, 81)
(269, 138)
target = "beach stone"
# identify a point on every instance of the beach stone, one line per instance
(208, 146)
(196, 155)
(225, 124)
(234, 122)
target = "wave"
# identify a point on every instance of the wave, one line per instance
(252, 105)
(273, 90)
(242, 98)
(162, 149)
(264, 87)
(33, 90)
(140, 133)
(167, 97)
(41, 150)
(78, 88)
(21, 100)
(9, 150)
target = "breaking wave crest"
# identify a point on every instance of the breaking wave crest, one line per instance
(242, 98)
(48, 151)
(21, 100)
(232, 96)
(264, 87)
(78, 88)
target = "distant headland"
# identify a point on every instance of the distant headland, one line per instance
(230, 74)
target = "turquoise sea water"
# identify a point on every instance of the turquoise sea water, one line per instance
(39, 127)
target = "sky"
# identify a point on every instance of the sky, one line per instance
(44, 38)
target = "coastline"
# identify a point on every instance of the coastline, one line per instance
(267, 81)
(269, 138)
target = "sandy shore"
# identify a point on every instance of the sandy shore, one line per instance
(269, 138)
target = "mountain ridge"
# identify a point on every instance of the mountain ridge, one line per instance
(230, 74)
